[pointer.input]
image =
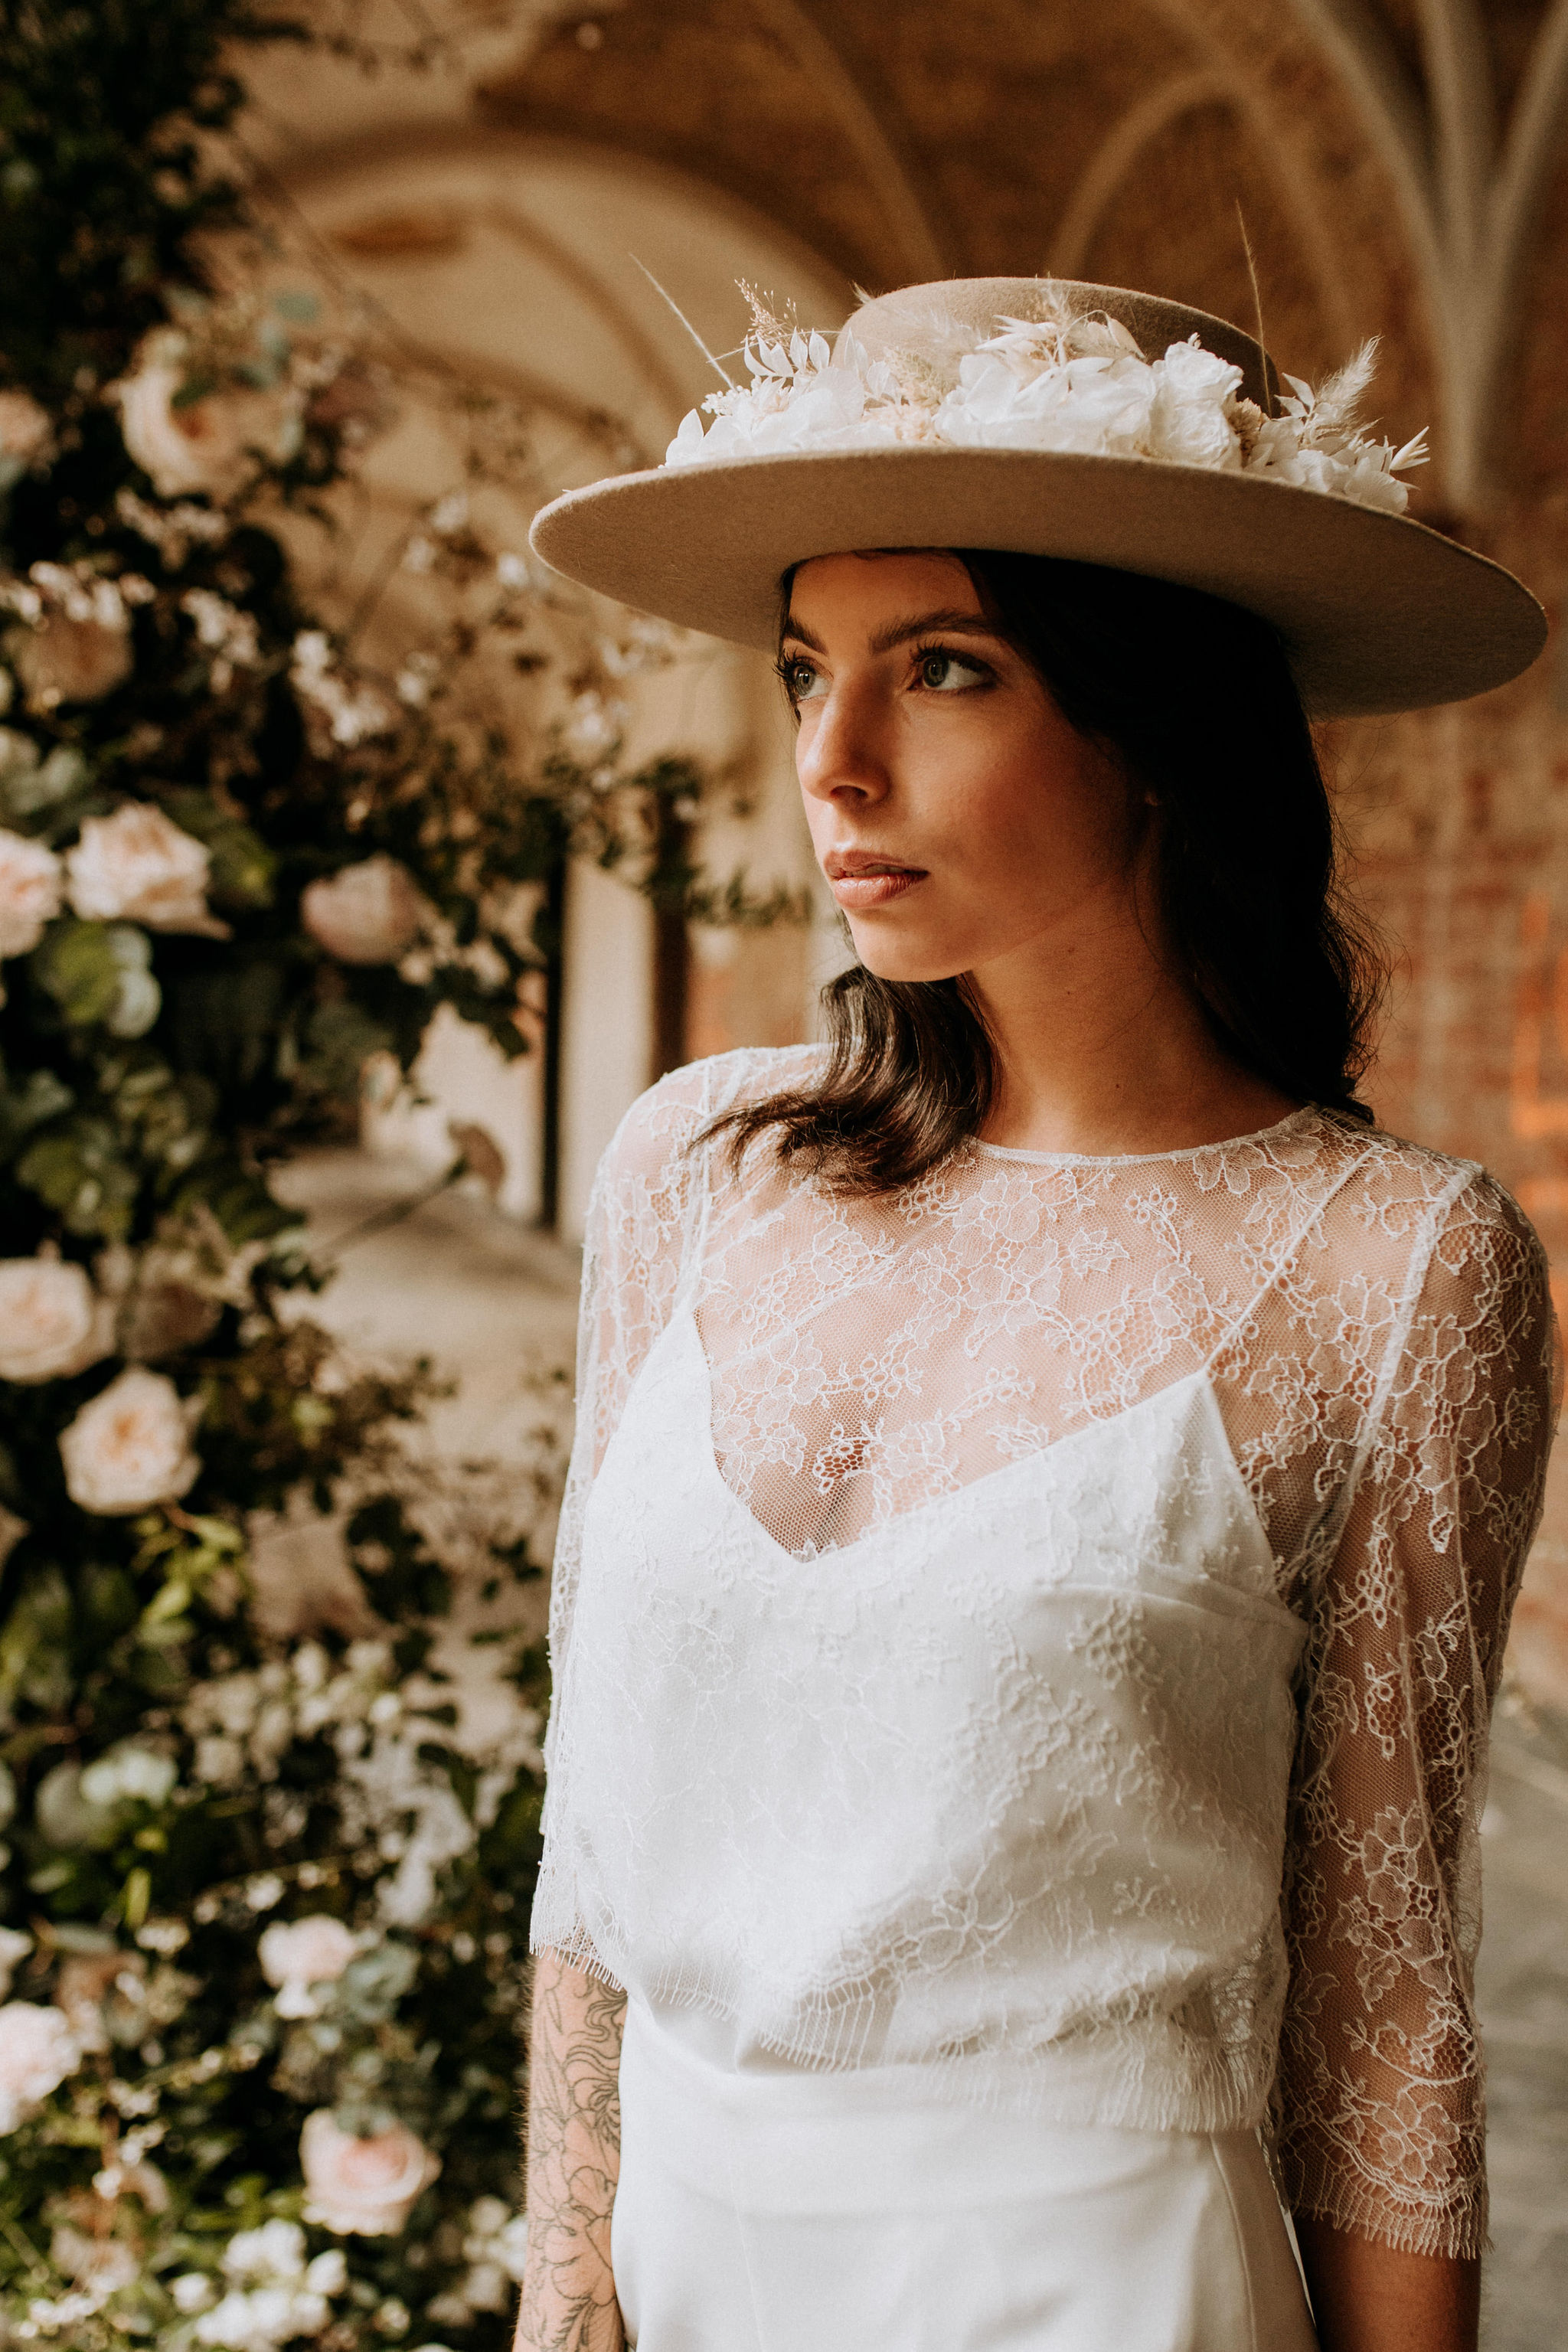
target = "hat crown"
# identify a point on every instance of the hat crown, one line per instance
(919, 321)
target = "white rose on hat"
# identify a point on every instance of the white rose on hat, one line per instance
(129, 1447)
(366, 913)
(38, 2051)
(364, 2186)
(139, 866)
(29, 892)
(52, 1321)
(296, 1954)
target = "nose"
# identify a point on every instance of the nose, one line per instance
(840, 753)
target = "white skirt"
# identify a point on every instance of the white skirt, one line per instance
(791, 2212)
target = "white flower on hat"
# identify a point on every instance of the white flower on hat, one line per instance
(1077, 385)
(38, 2051)
(137, 865)
(52, 1321)
(29, 892)
(129, 1446)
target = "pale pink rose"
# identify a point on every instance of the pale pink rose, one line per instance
(64, 660)
(24, 430)
(296, 1954)
(52, 1321)
(211, 445)
(367, 2187)
(130, 1446)
(368, 913)
(38, 2051)
(138, 867)
(29, 892)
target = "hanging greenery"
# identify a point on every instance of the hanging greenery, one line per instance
(264, 1900)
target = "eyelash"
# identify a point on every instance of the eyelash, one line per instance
(789, 664)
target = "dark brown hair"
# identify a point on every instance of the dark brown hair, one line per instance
(1194, 700)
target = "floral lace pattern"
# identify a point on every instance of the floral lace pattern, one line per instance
(1371, 1322)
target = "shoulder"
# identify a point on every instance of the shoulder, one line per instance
(653, 1144)
(1479, 1258)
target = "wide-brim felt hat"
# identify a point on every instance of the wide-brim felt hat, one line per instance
(1377, 612)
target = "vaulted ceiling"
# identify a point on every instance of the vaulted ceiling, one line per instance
(1393, 161)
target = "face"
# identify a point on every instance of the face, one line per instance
(958, 817)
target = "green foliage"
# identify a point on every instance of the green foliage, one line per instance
(190, 758)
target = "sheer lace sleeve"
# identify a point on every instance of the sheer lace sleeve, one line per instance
(1380, 2105)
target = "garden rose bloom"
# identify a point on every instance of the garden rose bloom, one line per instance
(296, 1954)
(364, 2186)
(52, 1321)
(66, 660)
(130, 1446)
(368, 913)
(38, 2051)
(29, 892)
(205, 444)
(139, 866)
(25, 431)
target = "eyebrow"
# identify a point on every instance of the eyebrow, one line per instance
(899, 633)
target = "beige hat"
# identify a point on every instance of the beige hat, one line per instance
(1052, 418)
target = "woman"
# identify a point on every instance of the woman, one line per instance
(1053, 1476)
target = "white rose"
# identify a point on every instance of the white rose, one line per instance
(367, 2186)
(368, 913)
(205, 444)
(38, 2051)
(1189, 425)
(139, 866)
(29, 892)
(15, 1947)
(25, 431)
(66, 660)
(52, 1321)
(129, 1447)
(298, 1953)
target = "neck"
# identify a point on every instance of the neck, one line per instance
(1103, 1049)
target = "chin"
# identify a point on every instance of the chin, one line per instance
(893, 960)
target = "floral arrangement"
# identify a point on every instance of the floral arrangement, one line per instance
(264, 1885)
(1072, 383)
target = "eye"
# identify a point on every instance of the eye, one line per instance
(802, 681)
(940, 671)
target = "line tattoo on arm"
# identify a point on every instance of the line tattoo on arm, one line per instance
(574, 2161)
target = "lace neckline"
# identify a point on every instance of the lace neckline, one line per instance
(1261, 1136)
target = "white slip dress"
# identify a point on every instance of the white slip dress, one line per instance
(1023, 1649)
(771, 2205)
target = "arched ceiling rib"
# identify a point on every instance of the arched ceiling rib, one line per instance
(1116, 156)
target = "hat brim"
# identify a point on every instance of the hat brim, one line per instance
(1377, 613)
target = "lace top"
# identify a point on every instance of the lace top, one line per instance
(1041, 1625)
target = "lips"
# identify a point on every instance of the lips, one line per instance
(860, 881)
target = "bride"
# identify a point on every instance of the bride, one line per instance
(1052, 1474)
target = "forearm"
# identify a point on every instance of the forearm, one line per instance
(573, 2160)
(1368, 2297)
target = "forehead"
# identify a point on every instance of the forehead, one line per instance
(867, 586)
